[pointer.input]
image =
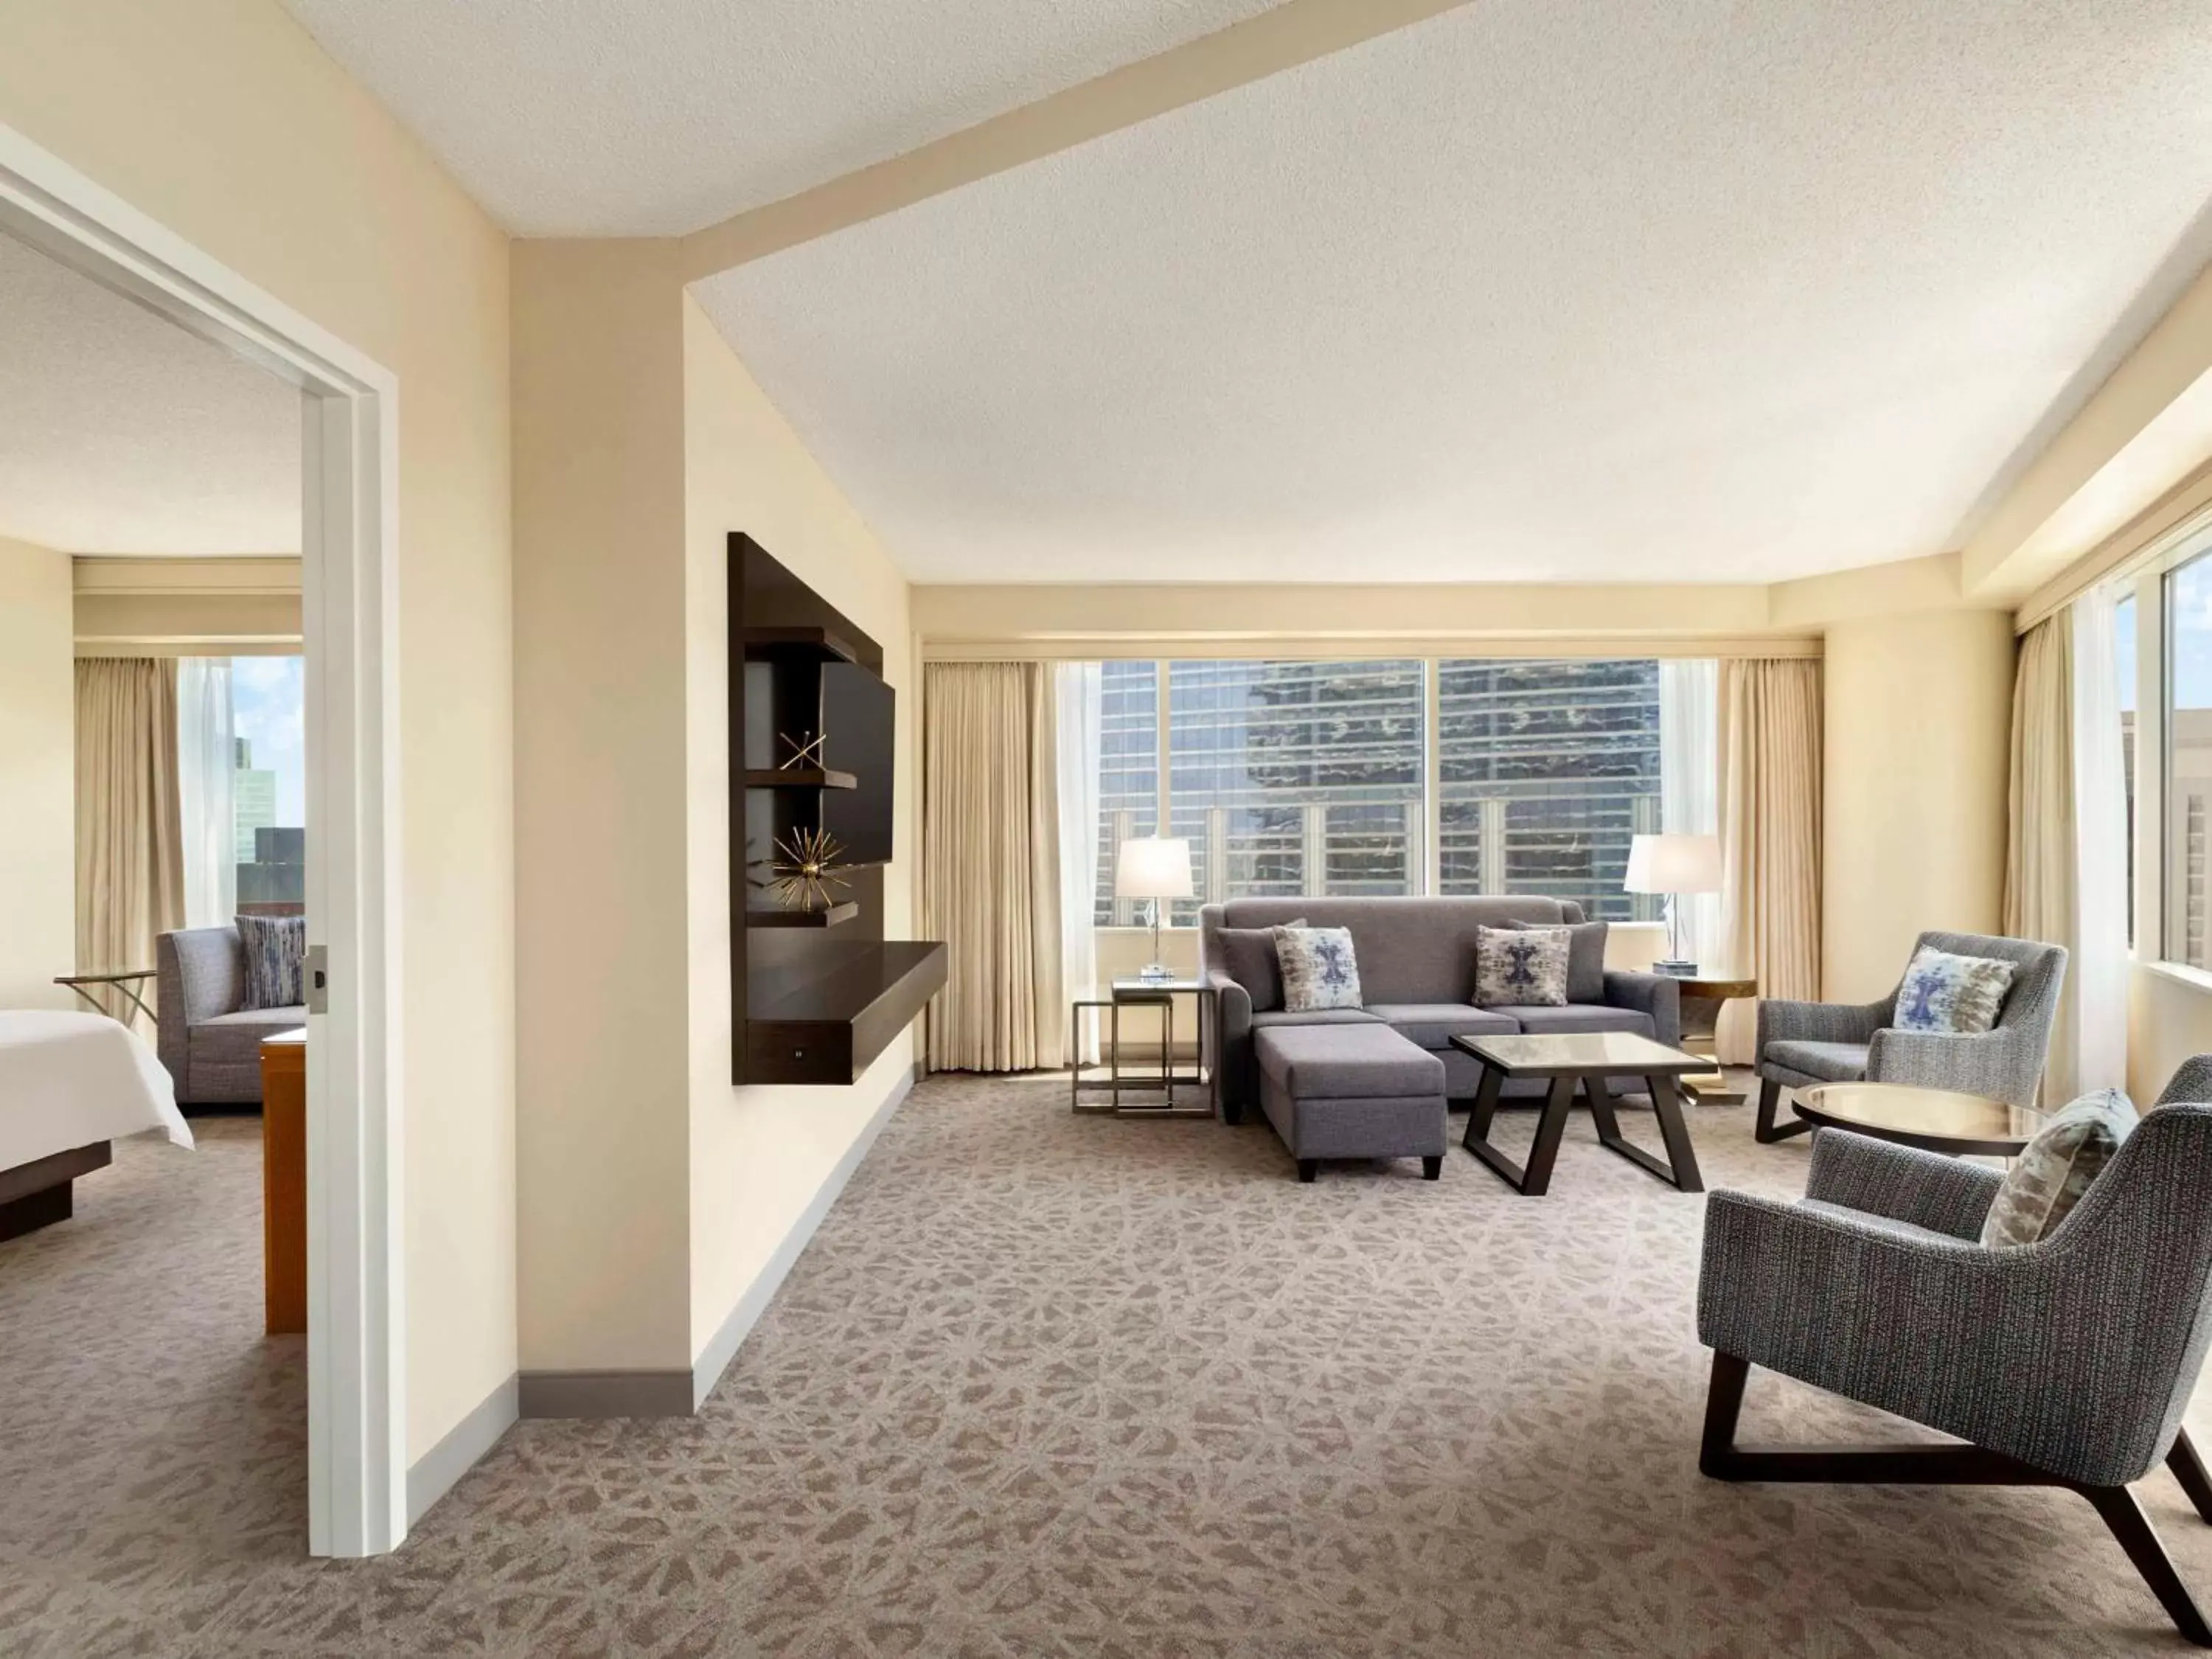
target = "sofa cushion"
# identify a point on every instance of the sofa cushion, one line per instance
(1276, 1018)
(1832, 1062)
(2049, 1177)
(1410, 949)
(1580, 1017)
(1320, 969)
(1346, 1062)
(1432, 1025)
(261, 1020)
(1585, 958)
(1248, 956)
(1952, 995)
(1521, 968)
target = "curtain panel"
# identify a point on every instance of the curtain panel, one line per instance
(1770, 735)
(991, 873)
(130, 837)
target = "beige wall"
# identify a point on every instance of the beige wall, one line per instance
(600, 835)
(163, 607)
(38, 778)
(227, 123)
(1918, 732)
(760, 1157)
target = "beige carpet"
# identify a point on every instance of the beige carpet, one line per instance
(1042, 1385)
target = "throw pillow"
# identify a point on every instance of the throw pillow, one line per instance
(1524, 967)
(276, 959)
(1955, 995)
(1248, 956)
(1319, 970)
(1585, 957)
(2047, 1180)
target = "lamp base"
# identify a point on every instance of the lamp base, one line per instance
(1675, 968)
(1157, 970)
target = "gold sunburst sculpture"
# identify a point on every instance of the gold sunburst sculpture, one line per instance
(806, 869)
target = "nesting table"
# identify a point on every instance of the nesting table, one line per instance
(1115, 1078)
(1583, 1060)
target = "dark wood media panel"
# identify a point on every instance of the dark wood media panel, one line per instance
(818, 994)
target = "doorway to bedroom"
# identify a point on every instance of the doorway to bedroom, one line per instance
(186, 684)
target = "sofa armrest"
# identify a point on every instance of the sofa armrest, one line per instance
(1928, 1189)
(1657, 995)
(1821, 1022)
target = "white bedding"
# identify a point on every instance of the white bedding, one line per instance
(69, 1079)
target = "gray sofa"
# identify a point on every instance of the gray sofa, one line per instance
(1416, 958)
(210, 1040)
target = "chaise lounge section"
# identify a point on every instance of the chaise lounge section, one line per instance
(1416, 959)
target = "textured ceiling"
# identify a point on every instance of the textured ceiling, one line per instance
(120, 433)
(653, 118)
(1537, 289)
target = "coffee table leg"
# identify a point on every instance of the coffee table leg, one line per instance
(1598, 1092)
(1666, 1102)
(1485, 1107)
(1549, 1128)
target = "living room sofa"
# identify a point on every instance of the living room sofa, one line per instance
(208, 1039)
(1416, 961)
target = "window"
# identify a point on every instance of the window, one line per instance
(1302, 777)
(2188, 759)
(1550, 767)
(1292, 778)
(242, 772)
(2125, 662)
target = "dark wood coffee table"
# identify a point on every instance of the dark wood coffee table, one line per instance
(1584, 1061)
(1937, 1120)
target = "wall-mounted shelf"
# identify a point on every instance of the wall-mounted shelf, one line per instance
(829, 1030)
(799, 777)
(763, 917)
(802, 644)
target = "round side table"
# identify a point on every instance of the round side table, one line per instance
(1703, 995)
(1937, 1120)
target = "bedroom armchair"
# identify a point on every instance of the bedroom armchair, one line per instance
(1803, 1043)
(2065, 1363)
(208, 1039)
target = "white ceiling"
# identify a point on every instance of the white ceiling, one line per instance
(1555, 290)
(120, 433)
(653, 118)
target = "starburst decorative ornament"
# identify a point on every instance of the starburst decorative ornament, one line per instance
(807, 869)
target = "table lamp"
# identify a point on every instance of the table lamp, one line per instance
(1674, 865)
(1153, 868)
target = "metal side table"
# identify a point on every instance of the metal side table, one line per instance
(1114, 1077)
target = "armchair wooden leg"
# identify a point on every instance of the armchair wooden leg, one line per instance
(2123, 1513)
(2189, 1469)
(1767, 1130)
(1953, 1464)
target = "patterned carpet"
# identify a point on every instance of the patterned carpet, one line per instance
(1041, 1385)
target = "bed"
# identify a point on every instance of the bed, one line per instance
(70, 1083)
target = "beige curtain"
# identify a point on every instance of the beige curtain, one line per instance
(130, 833)
(990, 864)
(2040, 900)
(1769, 789)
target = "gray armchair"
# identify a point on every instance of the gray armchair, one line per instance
(208, 1039)
(1803, 1043)
(2065, 1363)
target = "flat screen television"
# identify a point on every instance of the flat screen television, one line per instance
(858, 730)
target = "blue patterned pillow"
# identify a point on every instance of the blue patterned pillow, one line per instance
(1319, 970)
(276, 959)
(1956, 996)
(1522, 968)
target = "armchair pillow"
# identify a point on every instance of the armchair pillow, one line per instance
(1953, 995)
(2048, 1179)
(1585, 957)
(1319, 970)
(275, 956)
(1523, 967)
(1248, 955)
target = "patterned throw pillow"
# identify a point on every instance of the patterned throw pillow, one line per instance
(1955, 995)
(276, 958)
(1319, 970)
(1525, 968)
(2048, 1179)
(1585, 957)
(1248, 955)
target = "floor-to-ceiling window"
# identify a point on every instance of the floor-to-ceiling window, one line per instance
(1324, 777)
(242, 772)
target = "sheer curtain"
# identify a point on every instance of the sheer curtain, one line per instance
(206, 761)
(2100, 819)
(1076, 695)
(1689, 785)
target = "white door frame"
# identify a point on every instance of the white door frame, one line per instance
(356, 1350)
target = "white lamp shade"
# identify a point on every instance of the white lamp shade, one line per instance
(1673, 864)
(1153, 868)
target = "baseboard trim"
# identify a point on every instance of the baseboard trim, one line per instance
(440, 1469)
(714, 1358)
